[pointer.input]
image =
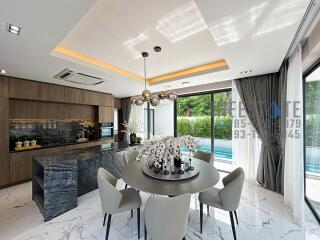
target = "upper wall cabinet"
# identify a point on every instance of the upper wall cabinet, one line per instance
(106, 99)
(105, 114)
(91, 98)
(3, 86)
(51, 92)
(25, 89)
(117, 103)
(74, 95)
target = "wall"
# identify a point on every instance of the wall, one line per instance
(311, 47)
(163, 122)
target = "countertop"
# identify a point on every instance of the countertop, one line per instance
(81, 154)
(59, 145)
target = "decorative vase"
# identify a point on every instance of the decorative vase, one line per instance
(18, 144)
(157, 169)
(33, 143)
(177, 162)
(133, 137)
(26, 143)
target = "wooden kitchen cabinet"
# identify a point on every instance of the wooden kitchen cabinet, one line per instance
(4, 141)
(91, 98)
(51, 92)
(20, 166)
(117, 103)
(24, 89)
(3, 86)
(4, 168)
(106, 100)
(74, 95)
(105, 114)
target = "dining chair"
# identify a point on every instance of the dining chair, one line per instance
(227, 198)
(166, 217)
(207, 157)
(204, 156)
(129, 156)
(114, 201)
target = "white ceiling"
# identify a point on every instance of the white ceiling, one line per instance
(249, 35)
(118, 31)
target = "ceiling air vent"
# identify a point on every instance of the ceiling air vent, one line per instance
(78, 78)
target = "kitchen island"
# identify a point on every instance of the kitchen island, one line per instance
(59, 178)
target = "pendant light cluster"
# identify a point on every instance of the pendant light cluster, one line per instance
(146, 95)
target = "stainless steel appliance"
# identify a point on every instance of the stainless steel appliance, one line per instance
(105, 130)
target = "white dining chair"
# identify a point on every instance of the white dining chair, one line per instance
(114, 201)
(130, 156)
(207, 157)
(166, 218)
(227, 198)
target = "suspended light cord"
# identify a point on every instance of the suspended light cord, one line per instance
(145, 73)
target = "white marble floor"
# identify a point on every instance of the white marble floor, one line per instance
(262, 215)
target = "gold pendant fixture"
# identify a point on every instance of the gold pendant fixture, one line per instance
(146, 95)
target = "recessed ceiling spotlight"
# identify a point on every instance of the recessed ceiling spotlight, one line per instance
(13, 29)
(183, 83)
(2, 71)
(246, 71)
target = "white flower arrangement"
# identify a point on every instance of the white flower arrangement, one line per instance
(163, 148)
(154, 149)
(132, 127)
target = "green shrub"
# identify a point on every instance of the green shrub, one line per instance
(312, 130)
(201, 126)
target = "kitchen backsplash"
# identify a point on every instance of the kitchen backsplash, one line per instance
(48, 132)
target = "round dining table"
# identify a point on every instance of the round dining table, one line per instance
(208, 176)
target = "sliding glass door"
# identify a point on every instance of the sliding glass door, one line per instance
(208, 118)
(194, 118)
(312, 138)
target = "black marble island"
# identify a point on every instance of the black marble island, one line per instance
(59, 178)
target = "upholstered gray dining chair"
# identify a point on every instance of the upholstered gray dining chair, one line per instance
(114, 201)
(129, 156)
(166, 218)
(204, 156)
(227, 198)
(207, 157)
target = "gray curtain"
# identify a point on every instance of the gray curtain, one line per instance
(282, 136)
(126, 111)
(263, 98)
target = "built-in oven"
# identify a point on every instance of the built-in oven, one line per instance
(105, 130)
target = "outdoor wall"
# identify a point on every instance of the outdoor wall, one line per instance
(163, 122)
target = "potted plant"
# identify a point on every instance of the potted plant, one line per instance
(131, 128)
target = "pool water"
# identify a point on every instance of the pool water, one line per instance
(217, 154)
(313, 168)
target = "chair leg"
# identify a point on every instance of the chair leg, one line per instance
(145, 232)
(108, 226)
(104, 219)
(184, 238)
(201, 216)
(126, 186)
(233, 227)
(138, 220)
(235, 214)
(208, 210)
(131, 213)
